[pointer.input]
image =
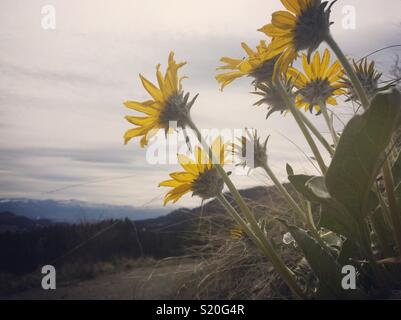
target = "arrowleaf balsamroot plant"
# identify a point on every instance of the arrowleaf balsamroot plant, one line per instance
(200, 176)
(259, 65)
(303, 27)
(346, 202)
(319, 84)
(169, 104)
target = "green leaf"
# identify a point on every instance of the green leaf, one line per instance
(317, 186)
(335, 218)
(299, 183)
(360, 152)
(290, 171)
(323, 264)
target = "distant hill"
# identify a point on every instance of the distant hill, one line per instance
(11, 222)
(73, 211)
(262, 199)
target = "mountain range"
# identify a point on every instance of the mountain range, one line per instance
(73, 211)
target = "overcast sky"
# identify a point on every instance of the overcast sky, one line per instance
(61, 91)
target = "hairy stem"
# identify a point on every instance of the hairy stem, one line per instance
(329, 123)
(317, 134)
(300, 213)
(312, 228)
(356, 83)
(296, 113)
(236, 217)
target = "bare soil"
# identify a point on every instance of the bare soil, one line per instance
(156, 282)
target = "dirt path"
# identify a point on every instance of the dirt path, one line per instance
(155, 282)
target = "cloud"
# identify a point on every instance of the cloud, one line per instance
(93, 174)
(61, 92)
(115, 156)
(76, 78)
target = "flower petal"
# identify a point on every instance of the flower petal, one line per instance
(187, 164)
(292, 5)
(151, 89)
(284, 20)
(135, 132)
(169, 183)
(148, 107)
(183, 176)
(325, 64)
(175, 194)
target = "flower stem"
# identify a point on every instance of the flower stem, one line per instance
(301, 214)
(329, 123)
(356, 83)
(317, 134)
(268, 250)
(314, 231)
(296, 113)
(236, 217)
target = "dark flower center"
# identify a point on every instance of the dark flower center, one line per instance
(176, 110)
(208, 184)
(316, 92)
(264, 73)
(312, 26)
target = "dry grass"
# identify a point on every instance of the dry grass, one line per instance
(233, 268)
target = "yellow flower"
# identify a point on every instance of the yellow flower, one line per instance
(320, 83)
(200, 176)
(303, 27)
(168, 104)
(237, 234)
(259, 64)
